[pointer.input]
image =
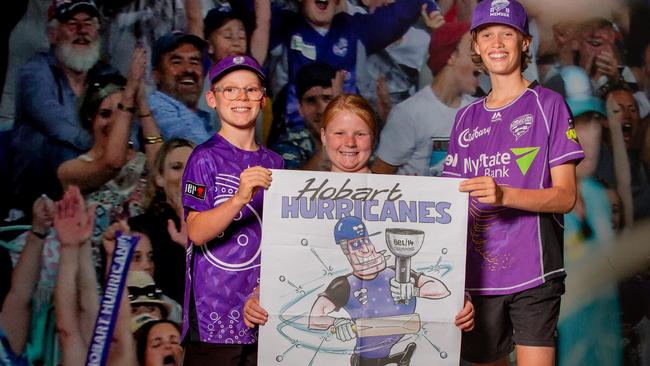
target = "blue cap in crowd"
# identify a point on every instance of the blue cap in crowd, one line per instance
(62, 10)
(171, 41)
(232, 63)
(579, 92)
(506, 12)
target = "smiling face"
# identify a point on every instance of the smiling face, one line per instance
(319, 13)
(76, 42)
(229, 39)
(364, 258)
(241, 112)
(348, 141)
(163, 346)
(500, 48)
(179, 74)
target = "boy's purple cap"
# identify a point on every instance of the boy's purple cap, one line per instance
(506, 12)
(232, 63)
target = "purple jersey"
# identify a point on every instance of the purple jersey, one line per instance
(223, 272)
(511, 250)
(369, 299)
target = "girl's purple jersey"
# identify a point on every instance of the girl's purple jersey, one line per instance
(510, 250)
(223, 273)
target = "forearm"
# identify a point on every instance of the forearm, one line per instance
(381, 167)
(318, 316)
(16, 310)
(89, 301)
(87, 175)
(206, 225)
(150, 129)
(66, 300)
(551, 200)
(260, 36)
(122, 351)
(115, 156)
(194, 14)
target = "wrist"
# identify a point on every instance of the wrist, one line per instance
(39, 232)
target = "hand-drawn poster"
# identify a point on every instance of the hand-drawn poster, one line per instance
(362, 269)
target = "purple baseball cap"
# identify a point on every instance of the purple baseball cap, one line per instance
(232, 63)
(506, 12)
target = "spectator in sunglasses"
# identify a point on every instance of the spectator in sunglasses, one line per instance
(147, 298)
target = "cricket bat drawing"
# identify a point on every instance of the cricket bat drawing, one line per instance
(385, 325)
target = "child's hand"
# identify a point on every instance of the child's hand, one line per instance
(485, 189)
(465, 318)
(253, 313)
(250, 180)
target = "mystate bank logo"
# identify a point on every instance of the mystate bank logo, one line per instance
(525, 157)
(467, 136)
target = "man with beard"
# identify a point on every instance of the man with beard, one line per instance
(178, 73)
(47, 130)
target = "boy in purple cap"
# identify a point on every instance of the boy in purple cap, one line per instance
(518, 148)
(223, 209)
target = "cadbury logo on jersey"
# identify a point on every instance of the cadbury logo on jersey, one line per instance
(521, 125)
(467, 136)
(195, 190)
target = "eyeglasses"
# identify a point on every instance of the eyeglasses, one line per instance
(313, 99)
(152, 292)
(253, 93)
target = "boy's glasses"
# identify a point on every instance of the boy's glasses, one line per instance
(253, 93)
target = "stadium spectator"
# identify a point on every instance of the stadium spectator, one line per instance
(47, 130)
(159, 343)
(414, 138)
(178, 73)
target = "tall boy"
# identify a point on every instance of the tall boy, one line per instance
(518, 147)
(222, 195)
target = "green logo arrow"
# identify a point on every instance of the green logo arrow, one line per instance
(526, 156)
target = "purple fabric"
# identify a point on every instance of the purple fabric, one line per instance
(511, 250)
(235, 62)
(507, 12)
(224, 271)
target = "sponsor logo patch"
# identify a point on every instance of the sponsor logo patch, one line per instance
(195, 190)
(499, 8)
(467, 136)
(496, 117)
(525, 157)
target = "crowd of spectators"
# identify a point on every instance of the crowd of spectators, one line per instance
(105, 118)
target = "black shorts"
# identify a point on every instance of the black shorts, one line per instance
(527, 318)
(199, 353)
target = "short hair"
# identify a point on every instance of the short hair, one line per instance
(99, 87)
(352, 103)
(619, 86)
(314, 74)
(476, 58)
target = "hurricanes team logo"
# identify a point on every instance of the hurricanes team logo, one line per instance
(498, 6)
(340, 48)
(521, 125)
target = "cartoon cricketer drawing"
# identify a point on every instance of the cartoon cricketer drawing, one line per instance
(379, 299)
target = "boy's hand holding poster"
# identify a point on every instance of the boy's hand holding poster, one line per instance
(362, 266)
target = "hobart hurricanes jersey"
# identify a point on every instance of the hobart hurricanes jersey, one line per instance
(511, 250)
(222, 273)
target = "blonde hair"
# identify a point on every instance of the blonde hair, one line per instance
(354, 104)
(159, 166)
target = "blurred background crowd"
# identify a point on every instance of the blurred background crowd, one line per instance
(102, 103)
